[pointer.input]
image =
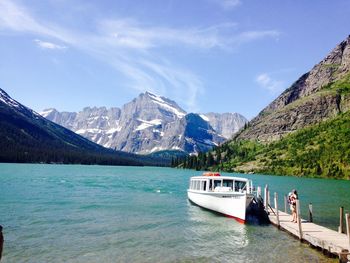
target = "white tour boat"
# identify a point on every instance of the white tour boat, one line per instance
(223, 194)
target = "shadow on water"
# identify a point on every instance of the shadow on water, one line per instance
(256, 214)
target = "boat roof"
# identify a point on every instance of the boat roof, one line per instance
(221, 177)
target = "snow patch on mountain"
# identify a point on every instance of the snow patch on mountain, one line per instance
(114, 130)
(146, 124)
(46, 112)
(94, 130)
(204, 117)
(4, 97)
(166, 105)
(209, 142)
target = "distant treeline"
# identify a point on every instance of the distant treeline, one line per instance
(18, 154)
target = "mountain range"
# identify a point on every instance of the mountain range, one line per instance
(305, 131)
(26, 136)
(148, 124)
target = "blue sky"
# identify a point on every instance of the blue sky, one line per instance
(208, 55)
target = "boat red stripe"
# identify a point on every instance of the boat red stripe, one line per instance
(236, 218)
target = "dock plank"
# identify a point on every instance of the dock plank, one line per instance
(316, 235)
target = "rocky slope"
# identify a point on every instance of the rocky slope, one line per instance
(149, 123)
(25, 136)
(308, 101)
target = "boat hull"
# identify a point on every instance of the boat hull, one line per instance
(228, 204)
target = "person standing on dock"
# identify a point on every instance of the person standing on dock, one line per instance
(293, 204)
(1, 241)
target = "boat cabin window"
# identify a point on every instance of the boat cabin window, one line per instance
(204, 185)
(211, 184)
(217, 183)
(240, 186)
(228, 183)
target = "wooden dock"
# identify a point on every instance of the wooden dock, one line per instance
(332, 243)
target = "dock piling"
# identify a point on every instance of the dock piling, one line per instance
(347, 218)
(265, 196)
(285, 203)
(310, 213)
(258, 193)
(299, 220)
(276, 209)
(341, 220)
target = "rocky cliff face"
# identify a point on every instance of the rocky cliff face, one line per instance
(191, 134)
(226, 124)
(308, 101)
(147, 124)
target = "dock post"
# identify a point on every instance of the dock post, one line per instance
(310, 213)
(265, 196)
(341, 220)
(347, 219)
(299, 220)
(276, 210)
(258, 193)
(285, 204)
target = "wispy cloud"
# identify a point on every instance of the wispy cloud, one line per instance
(227, 4)
(250, 36)
(187, 86)
(48, 45)
(266, 82)
(17, 18)
(129, 33)
(162, 77)
(133, 48)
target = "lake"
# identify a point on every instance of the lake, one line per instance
(76, 213)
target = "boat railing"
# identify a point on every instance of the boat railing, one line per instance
(251, 188)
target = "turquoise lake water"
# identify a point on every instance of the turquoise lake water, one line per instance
(74, 213)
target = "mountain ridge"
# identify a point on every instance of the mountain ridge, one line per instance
(145, 125)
